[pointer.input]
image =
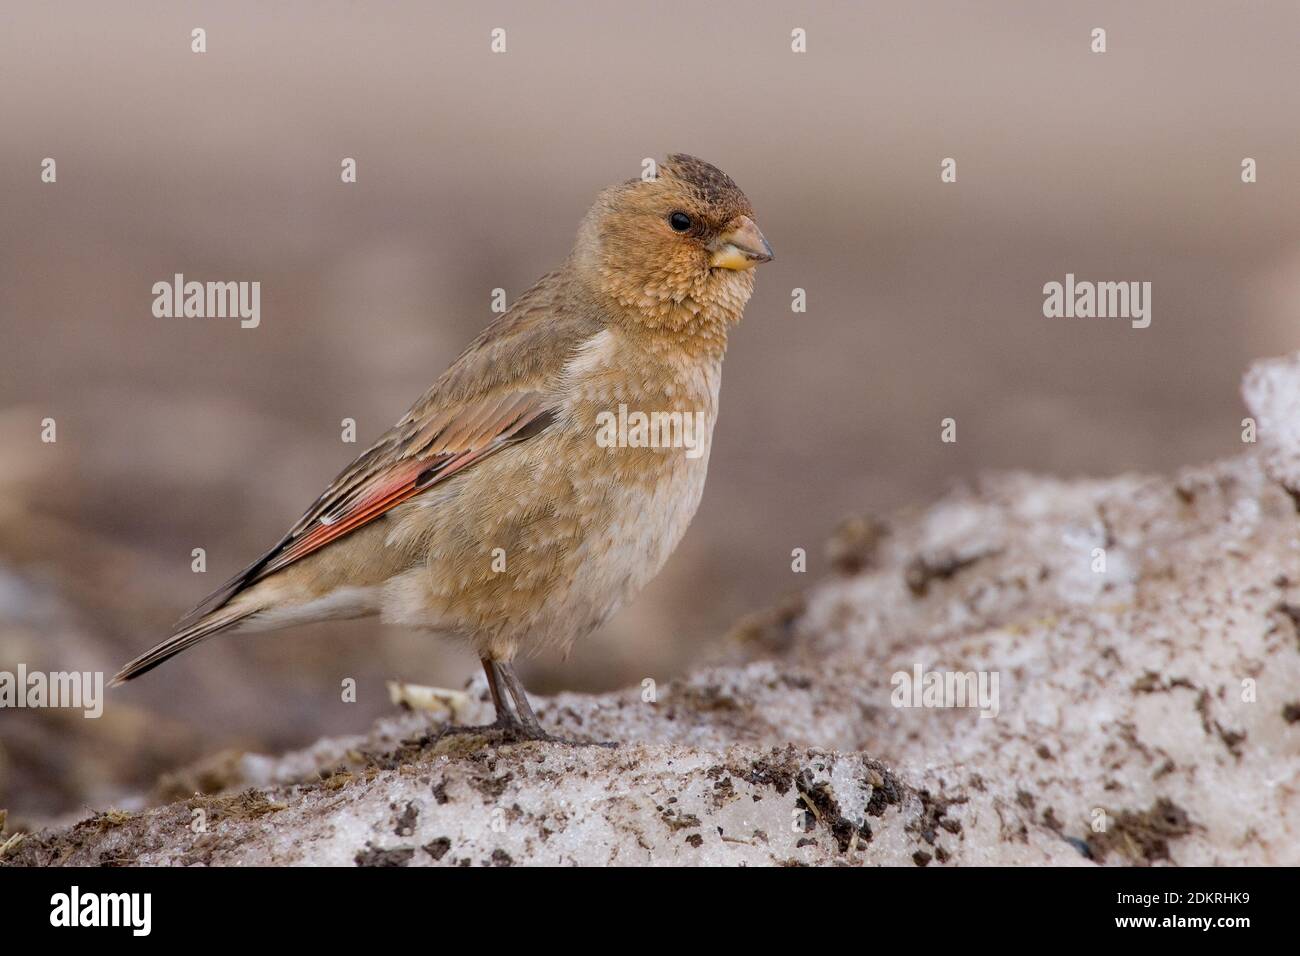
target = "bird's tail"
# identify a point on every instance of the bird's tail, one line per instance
(206, 626)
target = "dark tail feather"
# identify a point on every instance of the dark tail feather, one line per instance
(180, 641)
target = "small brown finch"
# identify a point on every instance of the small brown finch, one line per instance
(549, 473)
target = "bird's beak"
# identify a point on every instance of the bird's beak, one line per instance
(742, 246)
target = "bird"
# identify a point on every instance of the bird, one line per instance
(527, 495)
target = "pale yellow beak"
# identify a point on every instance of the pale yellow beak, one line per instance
(742, 246)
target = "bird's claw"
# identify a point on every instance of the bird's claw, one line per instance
(512, 732)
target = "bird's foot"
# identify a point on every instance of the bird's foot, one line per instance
(513, 725)
(514, 732)
(542, 736)
(498, 728)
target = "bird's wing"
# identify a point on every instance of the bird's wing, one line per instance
(413, 456)
(414, 459)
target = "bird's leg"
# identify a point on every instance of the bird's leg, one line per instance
(506, 721)
(529, 727)
(503, 712)
(528, 721)
(517, 724)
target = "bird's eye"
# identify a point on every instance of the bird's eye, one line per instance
(679, 221)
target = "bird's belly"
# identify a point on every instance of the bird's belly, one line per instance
(634, 530)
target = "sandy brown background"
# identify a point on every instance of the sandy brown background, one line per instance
(924, 299)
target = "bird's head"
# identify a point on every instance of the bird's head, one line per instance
(676, 249)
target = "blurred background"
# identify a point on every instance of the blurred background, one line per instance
(924, 299)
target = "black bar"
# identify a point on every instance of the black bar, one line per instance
(972, 903)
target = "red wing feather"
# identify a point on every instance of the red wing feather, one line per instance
(387, 491)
